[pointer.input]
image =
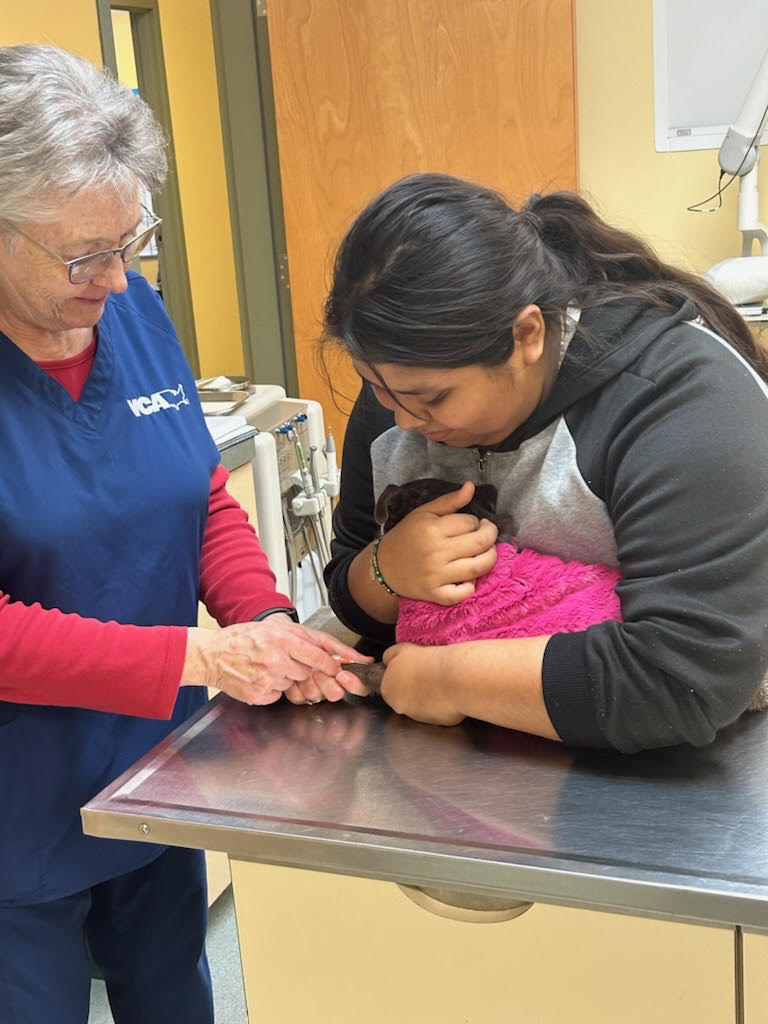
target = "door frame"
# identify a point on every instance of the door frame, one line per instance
(153, 87)
(249, 134)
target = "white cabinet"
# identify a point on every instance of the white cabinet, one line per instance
(756, 978)
(337, 950)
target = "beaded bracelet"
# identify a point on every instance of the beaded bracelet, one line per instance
(376, 571)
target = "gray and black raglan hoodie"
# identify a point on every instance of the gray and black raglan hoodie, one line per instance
(650, 454)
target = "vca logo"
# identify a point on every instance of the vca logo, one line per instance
(168, 398)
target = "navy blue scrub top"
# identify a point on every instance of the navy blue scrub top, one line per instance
(103, 506)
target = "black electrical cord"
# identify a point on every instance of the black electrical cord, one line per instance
(697, 207)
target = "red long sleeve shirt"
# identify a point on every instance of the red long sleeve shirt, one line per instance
(49, 657)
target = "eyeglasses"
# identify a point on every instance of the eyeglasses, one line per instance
(85, 268)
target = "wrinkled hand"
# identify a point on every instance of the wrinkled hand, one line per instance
(321, 687)
(414, 684)
(256, 662)
(436, 553)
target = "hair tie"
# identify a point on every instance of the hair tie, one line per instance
(535, 221)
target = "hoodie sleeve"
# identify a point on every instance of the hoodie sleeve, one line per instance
(683, 470)
(354, 526)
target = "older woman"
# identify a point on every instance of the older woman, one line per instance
(113, 524)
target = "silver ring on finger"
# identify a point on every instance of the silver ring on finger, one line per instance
(318, 700)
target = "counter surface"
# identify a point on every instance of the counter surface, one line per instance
(680, 833)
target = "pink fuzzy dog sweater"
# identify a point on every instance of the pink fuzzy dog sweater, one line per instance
(525, 594)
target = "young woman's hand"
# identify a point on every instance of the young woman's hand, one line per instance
(414, 684)
(436, 553)
(497, 681)
(256, 662)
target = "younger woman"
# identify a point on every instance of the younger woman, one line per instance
(619, 406)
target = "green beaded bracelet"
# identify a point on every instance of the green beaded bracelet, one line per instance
(376, 571)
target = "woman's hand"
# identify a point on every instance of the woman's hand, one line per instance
(496, 681)
(319, 687)
(436, 553)
(256, 662)
(416, 684)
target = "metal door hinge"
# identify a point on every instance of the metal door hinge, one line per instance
(283, 273)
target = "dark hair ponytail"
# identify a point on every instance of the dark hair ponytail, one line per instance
(606, 264)
(436, 269)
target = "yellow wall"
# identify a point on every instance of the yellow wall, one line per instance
(124, 53)
(192, 89)
(188, 46)
(71, 25)
(627, 179)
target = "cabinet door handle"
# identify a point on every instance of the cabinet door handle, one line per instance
(464, 906)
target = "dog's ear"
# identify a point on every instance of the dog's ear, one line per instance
(381, 512)
(486, 497)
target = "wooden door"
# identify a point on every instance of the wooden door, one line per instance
(367, 91)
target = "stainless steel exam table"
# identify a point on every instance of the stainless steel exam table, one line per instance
(473, 818)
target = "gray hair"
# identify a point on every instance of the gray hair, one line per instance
(66, 127)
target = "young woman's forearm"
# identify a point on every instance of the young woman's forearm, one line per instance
(499, 681)
(367, 592)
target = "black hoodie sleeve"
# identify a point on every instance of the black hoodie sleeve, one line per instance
(678, 450)
(354, 526)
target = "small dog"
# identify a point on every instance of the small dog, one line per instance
(526, 594)
(394, 504)
(397, 500)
